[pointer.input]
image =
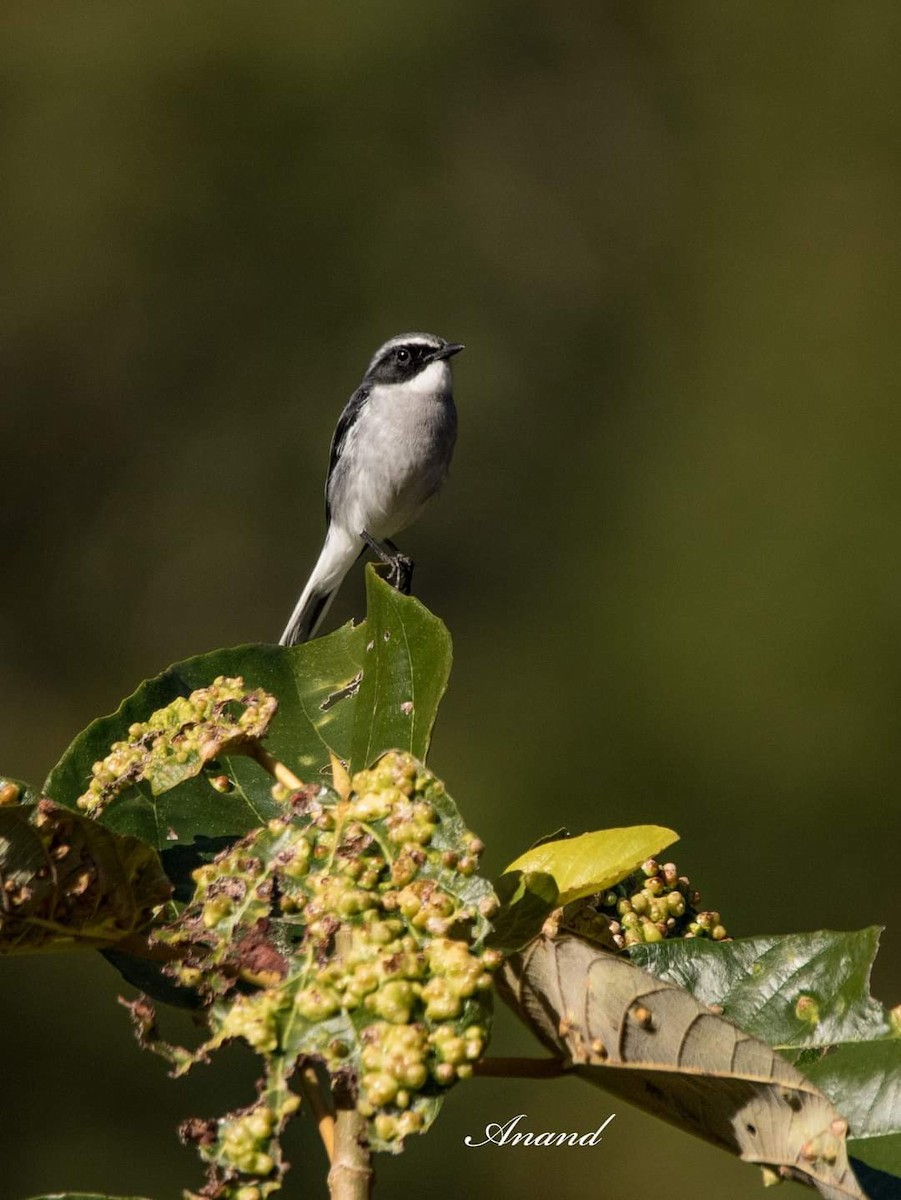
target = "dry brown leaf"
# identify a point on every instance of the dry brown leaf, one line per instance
(655, 1045)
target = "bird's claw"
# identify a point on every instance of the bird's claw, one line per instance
(400, 568)
(400, 573)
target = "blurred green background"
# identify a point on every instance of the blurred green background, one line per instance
(668, 552)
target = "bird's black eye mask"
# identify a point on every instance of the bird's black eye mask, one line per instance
(403, 362)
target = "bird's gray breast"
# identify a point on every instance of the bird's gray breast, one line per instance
(395, 456)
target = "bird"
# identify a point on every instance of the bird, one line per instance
(389, 455)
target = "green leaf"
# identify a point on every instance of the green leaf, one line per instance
(526, 899)
(583, 865)
(195, 808)
(807, 994)
(179, 741)
(796, 990)
(334, 696)
(68, 883)
(863, 1080)
(406, 666)
(882, 1154)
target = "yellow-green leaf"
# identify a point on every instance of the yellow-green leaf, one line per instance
(583, 865)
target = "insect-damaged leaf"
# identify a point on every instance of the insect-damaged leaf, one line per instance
(176, 742)
(792, 990)
(807, 994)
(349, 930)
(356, 693)
(656, 1046)
(68, 883)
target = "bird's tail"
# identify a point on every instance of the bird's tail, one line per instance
(339, 553)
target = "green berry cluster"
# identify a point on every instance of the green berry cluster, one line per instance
(351, 930)
(652, 904)
(178, 740)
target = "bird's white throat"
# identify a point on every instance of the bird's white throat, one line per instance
(434, 378)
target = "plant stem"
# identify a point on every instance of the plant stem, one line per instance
(521, 1068)
(351, 1176)
(313, 1095)
(279, 772)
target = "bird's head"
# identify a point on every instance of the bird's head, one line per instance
(404, 357)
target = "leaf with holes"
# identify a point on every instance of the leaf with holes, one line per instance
(68, 883)
(356, 693)
(808, 995)
(350, 930)
(655, 1045)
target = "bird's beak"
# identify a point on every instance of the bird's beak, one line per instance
(447, 351)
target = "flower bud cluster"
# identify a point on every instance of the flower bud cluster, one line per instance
(653, 903)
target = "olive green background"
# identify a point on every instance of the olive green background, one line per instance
(668, 552)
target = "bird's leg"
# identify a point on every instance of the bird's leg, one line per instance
(400, 575)
(400, 568)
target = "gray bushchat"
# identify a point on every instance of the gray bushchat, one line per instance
(390, 453)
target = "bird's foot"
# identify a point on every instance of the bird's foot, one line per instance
(400, 568)
(400, 573)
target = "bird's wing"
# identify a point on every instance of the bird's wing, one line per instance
(346, 422)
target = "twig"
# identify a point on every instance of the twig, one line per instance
(351, 1175)
(279, 772)
(312, 1092)
(521, 1068)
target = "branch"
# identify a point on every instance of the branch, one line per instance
(351, 1176)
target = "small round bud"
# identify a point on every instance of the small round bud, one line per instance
(9, 793)
(670, 874)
